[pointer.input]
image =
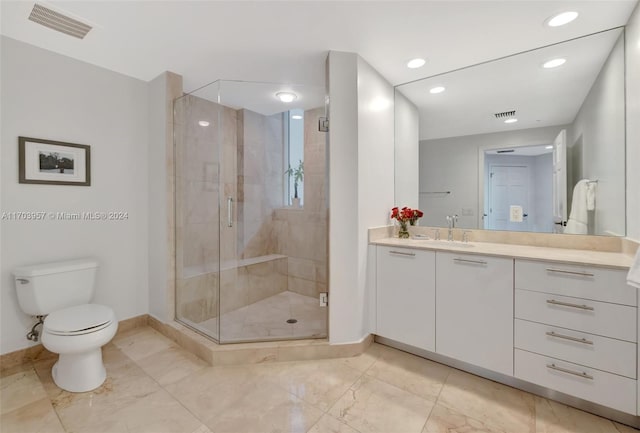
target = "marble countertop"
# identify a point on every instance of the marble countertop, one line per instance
(571, 256)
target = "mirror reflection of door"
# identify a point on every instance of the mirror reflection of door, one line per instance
(508, 187)
(520, 176)
(560, 181)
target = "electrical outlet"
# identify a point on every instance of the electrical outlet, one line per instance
(467, 211)
(324, 299)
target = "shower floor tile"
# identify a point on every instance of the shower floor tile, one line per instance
(267, 320)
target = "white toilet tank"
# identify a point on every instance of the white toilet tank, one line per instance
(48, 287)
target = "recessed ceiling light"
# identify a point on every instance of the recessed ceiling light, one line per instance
(548, 147)
(296, 117)
(438, 89)
(416, 63)
(512, 120)
(286, 96)
(554, 63)
(562, 19)
(203, 123)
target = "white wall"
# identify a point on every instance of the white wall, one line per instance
(361, 186)
(633, 125)
(47, 95)
(451, 164)
(407, 159)
(600, 123)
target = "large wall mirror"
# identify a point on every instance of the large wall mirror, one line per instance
(530, 142)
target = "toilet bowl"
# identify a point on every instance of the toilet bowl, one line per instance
(77, 334)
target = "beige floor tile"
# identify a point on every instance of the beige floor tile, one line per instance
(15, 369)
(20, 389)
(328, 424)
(142, 342)
(409, 372)
(375, 406)
(125, 381)
(364, 361)
(202, 429)
(36, 417)
(265, 408)
(171, 364)
(492, 403)
(320, 383)
(213, 390)
(443, 420)
(554, 417)
(157, 412)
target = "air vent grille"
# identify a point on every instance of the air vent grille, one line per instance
(59, 22)
(505, 114)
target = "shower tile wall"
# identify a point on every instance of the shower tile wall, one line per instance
(260, 180)
(303, 233)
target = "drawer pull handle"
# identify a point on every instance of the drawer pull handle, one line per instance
(567, 304)
(477, 262)
(567, 337)
(400, 253)
(561, 271)
(584, 374)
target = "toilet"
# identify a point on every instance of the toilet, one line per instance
(73, 328)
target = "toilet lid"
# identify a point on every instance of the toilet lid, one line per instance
(80, 319)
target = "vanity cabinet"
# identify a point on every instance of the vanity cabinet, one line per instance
(474, 310)
(405, 296)
(575, 331)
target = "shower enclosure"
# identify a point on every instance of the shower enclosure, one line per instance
(251, 211)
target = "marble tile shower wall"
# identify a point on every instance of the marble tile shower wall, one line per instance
(260, 180)
(303, 233)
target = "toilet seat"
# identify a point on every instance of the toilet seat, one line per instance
(79, 320)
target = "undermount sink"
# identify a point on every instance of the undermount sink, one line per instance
(441, 243)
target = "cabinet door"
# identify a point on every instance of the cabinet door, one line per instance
(405, 280)
(474, 303)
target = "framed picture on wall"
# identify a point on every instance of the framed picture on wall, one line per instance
(53, 162)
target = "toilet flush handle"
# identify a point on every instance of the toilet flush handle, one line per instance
(22, 280)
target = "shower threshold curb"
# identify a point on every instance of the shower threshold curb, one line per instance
(259, 352)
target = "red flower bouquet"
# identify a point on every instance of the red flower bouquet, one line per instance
(404, 216)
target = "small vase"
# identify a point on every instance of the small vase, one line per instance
(403, 233)
(295, 202)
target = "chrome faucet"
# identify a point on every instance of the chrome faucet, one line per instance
(451, 223)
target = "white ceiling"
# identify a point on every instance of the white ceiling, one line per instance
(287, 41)
(541, 97)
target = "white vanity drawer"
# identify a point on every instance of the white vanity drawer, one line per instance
(589, 384)
(600, 284)
(607, 354)
(600, 318)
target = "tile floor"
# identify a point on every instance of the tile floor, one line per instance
(267, 320)
(155, 387)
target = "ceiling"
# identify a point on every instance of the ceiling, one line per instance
(287, 41)
(540, 97)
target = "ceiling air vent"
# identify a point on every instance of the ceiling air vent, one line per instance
(59, 22)
(505, 151)
(505, 114)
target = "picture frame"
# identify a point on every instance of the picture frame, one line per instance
(53, 162)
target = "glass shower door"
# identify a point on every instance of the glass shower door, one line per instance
(273, 226)
(197, 194)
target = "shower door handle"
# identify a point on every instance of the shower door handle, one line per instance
(229, 211)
